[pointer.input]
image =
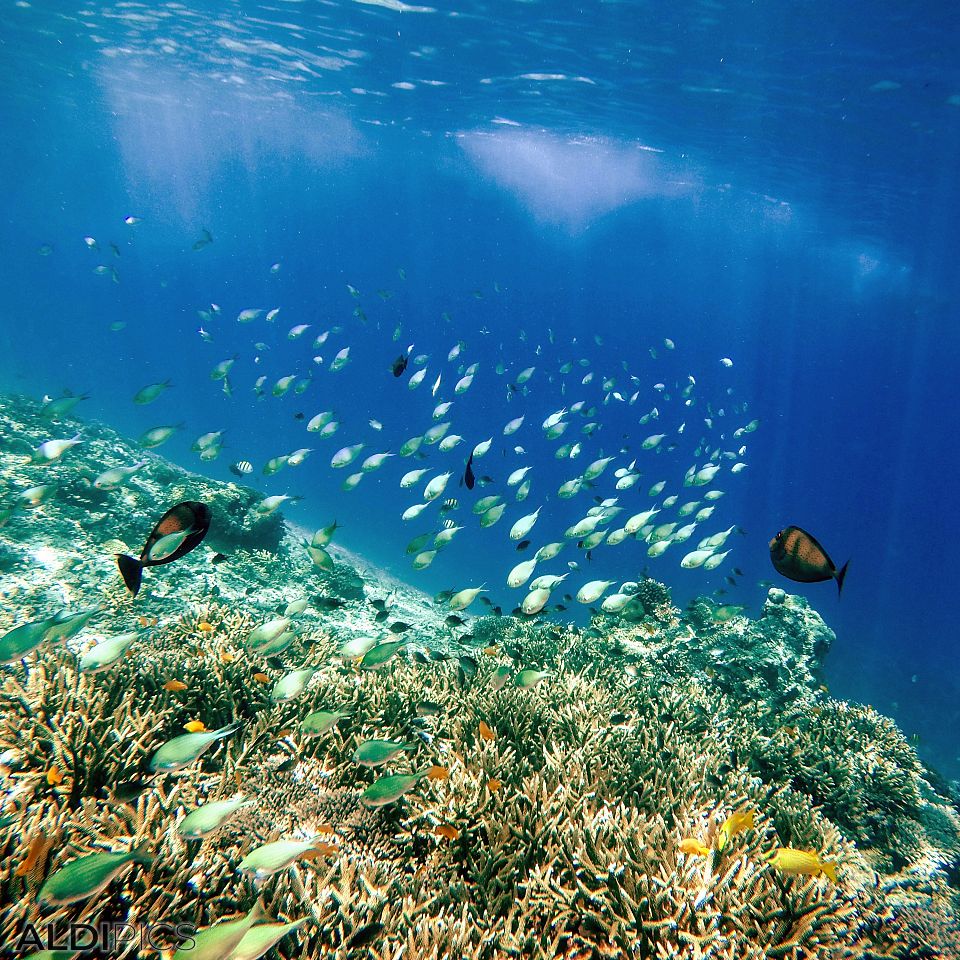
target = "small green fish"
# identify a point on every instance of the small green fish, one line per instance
(291, 685)
(411, 446)
(181, 751)
(727, 612)
(270, 858)
(390, 789)
(209, 817)
(67, 624)
(150, 392)
(263, 937)
(528, 679)
(33, 497)
(321, 559)
(158, 435)
(324, 535)
(463, 598)
(268, 632)
(219, 941)
(169, 544)
(61, 406)
(278, 645)
(380, 654)
(24, 639)
(357, 647)
(51, 450)
(116, 477)
(296, 607)
(320, 721)
(106, 652)
(274, 465)
(82, 878)
(375, 753)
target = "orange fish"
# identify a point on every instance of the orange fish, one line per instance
(493, 784)
(147, 621)
(490, 651)
(694, 847)
(798, 556)
(36, 849)
(175, 686)
(487, 733)
(195, 726)
(445, 830)
(438, 773)
(285, 732)
(227, 657)
(322, 850)
(54, 776)
(204, 627)
(325, 829)
(261, 678)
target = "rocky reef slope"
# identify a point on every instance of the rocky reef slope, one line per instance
(561, 826)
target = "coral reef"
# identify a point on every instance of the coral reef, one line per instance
(560, 829)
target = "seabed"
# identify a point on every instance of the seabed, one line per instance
(558, 836)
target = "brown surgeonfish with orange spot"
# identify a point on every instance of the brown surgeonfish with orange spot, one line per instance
(176, 533)
(798, 556)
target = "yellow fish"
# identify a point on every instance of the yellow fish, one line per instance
(493, 784)
(195, 726)
(734, 824)
(694, 847)
(174, 686)
(486, 732)
(803, 862)
(54, 776)
(204, 627)
(446, 830)
(438, 773)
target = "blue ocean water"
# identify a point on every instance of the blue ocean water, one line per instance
(557, 183)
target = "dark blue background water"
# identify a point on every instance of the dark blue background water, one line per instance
(774, 187)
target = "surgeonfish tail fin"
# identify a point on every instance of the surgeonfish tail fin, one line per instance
(841, 573)
(829, 868)
(131, 569)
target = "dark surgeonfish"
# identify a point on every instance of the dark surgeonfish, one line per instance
(400, 364)
(798, 556)
(468, 478)
(177, 532)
